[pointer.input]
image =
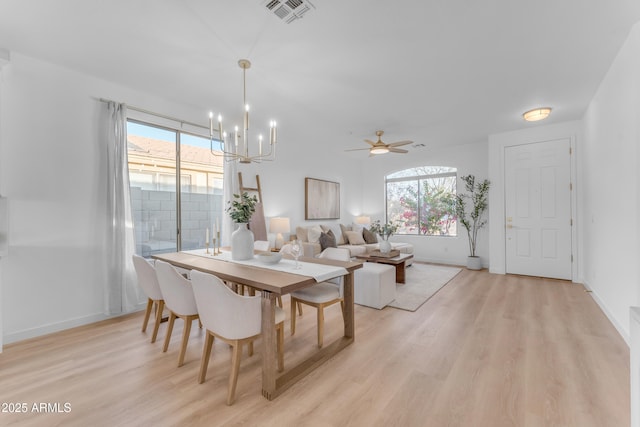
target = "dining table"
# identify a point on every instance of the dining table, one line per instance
(273, 283)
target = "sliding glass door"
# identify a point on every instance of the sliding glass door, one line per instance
(176, 188)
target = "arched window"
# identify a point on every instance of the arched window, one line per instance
(422, 200)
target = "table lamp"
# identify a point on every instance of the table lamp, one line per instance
(279, 226)
(363, 220)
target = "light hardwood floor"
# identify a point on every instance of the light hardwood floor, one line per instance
(487, 350)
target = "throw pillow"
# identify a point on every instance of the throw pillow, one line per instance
(337, 233)
(369, 237)
(314, 233)
(327, 240)
(357, 227)
(355, 238)
(342, 239)
(301, 233)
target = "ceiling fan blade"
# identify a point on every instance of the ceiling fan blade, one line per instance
(357, 149)
(399, 143)
(369, 142)
(397, 150)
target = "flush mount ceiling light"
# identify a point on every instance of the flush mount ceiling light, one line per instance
(537, 114)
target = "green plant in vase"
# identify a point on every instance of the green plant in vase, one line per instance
(240, 209)
(385, 231)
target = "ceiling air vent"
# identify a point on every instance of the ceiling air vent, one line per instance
(289, 10)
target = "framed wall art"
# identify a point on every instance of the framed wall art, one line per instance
(321, 199)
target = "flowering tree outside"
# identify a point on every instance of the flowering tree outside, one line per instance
(422, 201)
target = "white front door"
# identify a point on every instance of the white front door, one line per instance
(538, 209)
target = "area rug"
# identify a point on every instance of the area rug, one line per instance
(422, 282)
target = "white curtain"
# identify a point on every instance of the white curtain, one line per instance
(230, 185)
(122, 292)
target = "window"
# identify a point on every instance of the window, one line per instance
(422, 200)
(165, 219)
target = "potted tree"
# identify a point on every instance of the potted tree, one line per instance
(472, 220)
(240, 210)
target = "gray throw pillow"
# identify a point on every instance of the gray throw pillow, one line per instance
(369, 237)
(327, 240)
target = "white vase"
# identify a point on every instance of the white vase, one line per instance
(242, 243)
(385, 246)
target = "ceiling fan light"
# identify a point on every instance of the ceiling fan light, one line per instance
(537, 114)
(379, 150)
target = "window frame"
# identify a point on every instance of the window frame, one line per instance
(418, 178)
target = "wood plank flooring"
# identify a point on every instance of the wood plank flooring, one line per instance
(486, 350)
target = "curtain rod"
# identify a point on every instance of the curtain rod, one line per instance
(162, 116)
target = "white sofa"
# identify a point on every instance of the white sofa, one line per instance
(310, 235)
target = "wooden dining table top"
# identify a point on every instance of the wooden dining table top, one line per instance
(277, 282)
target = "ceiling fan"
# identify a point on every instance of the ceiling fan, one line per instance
(380, 147)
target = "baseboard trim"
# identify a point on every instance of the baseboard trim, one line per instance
(61, 326)
(623, 333)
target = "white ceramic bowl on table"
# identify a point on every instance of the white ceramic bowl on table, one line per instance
(269, 258)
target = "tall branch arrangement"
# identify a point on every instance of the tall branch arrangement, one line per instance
(477, 195)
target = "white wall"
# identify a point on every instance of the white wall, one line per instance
(468, 159)
(497, 145)
(282, 181)
(53, 172)
(5, 57)
(609, 173)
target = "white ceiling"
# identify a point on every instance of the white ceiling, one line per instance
(435, 72)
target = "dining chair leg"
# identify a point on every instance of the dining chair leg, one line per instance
(300, 308)
(280, 338)
(147, 314)
(172, 318)
(320, 325)
(206, 354)
(235, 367)
(250, 348)
(293, 316)
(185, 338)
(159, 309)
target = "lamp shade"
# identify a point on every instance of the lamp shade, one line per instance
(279, 225)
(363, 220)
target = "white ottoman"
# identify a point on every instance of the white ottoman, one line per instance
(374, 285)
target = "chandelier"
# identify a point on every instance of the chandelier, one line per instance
(235, 146)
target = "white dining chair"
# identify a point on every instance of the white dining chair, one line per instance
(148, 281)
(261, 245)
(233, 318)
(179, 299)
(322, 294)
